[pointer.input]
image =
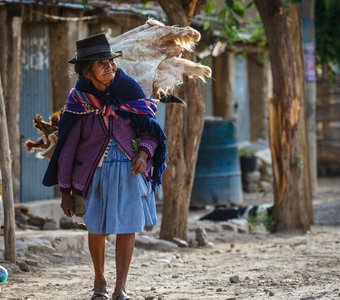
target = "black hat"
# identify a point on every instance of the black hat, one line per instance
(95, 47)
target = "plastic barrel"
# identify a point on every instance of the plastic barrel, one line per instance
(217, 177)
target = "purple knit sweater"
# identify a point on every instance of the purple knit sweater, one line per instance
(85, 145)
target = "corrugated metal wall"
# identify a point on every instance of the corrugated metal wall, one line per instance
(35, 98)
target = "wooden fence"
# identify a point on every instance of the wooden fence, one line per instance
(328, 127)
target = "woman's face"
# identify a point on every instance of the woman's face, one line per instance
(103, 71)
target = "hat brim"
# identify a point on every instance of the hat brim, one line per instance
(99, 56)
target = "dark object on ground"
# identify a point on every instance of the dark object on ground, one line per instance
(253, 211)
(248, 164)
(67, 223)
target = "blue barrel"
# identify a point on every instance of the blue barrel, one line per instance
(218, 177)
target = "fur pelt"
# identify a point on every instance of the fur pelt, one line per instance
(49, 132)
(157, 63)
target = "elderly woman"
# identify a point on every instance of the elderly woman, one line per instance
(112, 153)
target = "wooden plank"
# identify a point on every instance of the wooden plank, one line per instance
(329, 154)
(329, 134)
(328, 113)
(328, 131)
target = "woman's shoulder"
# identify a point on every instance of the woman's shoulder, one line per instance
(126, 87)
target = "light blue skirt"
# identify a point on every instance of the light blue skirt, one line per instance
(117, 200)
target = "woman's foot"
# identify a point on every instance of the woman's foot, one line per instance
(100, 295)
(120, 296)
(100, 290)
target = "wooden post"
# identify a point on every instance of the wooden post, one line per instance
(308, 35)
(7, 183)
(258, 84)
(12, 96)
(223, 69)
(3, 47)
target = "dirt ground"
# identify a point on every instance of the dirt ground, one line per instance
(269, 266)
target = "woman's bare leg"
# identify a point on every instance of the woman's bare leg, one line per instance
(125, 244)
(97, 250)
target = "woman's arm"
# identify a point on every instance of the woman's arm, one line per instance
(148, 144)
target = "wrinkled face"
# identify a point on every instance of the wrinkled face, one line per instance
(102, 72)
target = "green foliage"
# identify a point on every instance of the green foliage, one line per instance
(85, 3)
(210, 7)
(331, 3)
(327, 31)
(206, 25)
(229, 20)
(246, 153)
(256, 30)
(135, 144)
(268, 221)
(145, 5)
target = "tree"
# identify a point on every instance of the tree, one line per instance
(184, 129)
(287, 121)
(7, 182)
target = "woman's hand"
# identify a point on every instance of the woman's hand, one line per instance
(66, 204)
(139, 163)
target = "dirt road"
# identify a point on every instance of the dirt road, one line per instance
(276, 266)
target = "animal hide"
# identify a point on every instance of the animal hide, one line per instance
(48, 140)
(152, 56)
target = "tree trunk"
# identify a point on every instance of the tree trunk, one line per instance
(184, 129)
(7, 183)
(13, 97)
(3, 47)
(10, 71)
(287, 122)
(175, 12)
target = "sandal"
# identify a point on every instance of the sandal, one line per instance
(121, 296)
(100, 295)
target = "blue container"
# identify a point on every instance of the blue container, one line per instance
(218, 177)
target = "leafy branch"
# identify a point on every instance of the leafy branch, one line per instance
(230, 22)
